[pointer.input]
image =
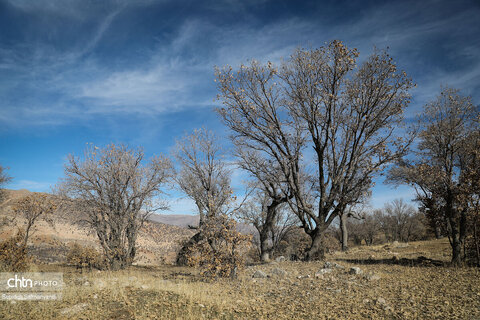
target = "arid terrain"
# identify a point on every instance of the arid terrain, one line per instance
(391, 281)
(395, 283)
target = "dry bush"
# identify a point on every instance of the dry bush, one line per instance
(294, 245)
(13, 253)
(220, 249)
(85, 257)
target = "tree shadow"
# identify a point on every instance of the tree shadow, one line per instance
(414, 262)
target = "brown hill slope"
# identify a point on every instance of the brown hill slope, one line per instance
(157, 242)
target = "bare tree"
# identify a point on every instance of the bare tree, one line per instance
(33, 207)
(318, 99)
(401, 222)
(448, 123)
(117, 192)
(203, 175)
(4, 179)
(205, 178)
(271, 220)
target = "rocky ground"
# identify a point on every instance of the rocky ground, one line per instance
(394, 281)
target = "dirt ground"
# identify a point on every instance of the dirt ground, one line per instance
(397, 281)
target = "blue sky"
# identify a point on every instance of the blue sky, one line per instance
(141, 72)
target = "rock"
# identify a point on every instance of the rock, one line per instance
(372, 277)
(74, 309)
(338, 266)
(328, 265)
(324, 271)
(259, 274)
(280, 259)
(86, 284)
(279, 272)
(144, 287)
(355, 270)
(382, 303)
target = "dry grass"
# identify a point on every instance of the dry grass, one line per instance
(408, 288)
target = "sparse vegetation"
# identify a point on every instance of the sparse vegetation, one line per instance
(409, 287)
(13, 253)
(85, 257)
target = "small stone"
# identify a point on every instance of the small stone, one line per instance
(280, 259)
(355, 270)
(366, 301)
(279, 272)
(381, 301)
(327, 265)
(144, 287)
(259, 274)
(86, 283)
(324, 271)
(372, 277)
(338, 266)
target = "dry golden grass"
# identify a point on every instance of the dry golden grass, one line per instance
(407, 288)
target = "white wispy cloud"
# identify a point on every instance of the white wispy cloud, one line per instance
(35, 186)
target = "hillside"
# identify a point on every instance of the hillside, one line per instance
(157, 242)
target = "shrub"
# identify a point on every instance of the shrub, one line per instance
(84, 257)
(219, 251)
(13, 253)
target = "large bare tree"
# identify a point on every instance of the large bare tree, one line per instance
(449, 124)
(318, 98)
(117, 192)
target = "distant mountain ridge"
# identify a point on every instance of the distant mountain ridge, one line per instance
(179, 220)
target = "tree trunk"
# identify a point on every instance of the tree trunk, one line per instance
(343, 228)
(316, 250)
(264, 247)
(438, 232)
(456, 242)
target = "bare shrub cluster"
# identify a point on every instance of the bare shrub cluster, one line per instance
(220, 251)
(13, 253)
(85, 257)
